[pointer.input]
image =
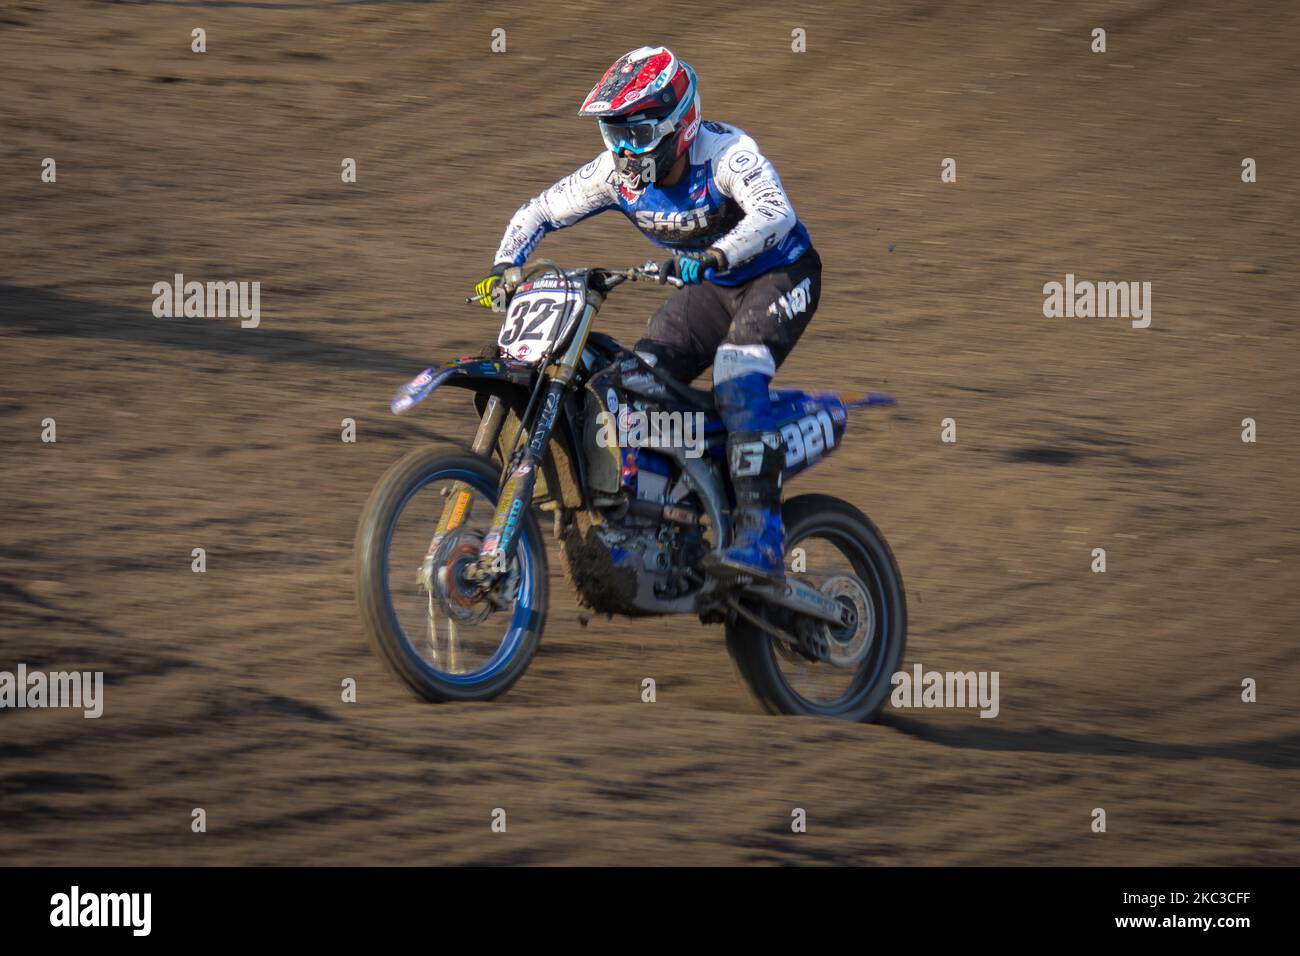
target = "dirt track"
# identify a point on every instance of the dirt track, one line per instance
(1119, 690)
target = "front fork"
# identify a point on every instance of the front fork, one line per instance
(459, 495)
(517, 492)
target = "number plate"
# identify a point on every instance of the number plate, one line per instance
(542, 314)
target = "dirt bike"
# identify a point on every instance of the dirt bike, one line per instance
(452, 573)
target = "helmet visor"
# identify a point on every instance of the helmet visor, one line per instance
(637, 137)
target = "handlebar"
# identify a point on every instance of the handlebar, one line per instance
(609, 278)
(649, 270)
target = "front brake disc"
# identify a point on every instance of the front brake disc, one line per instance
(443, 574)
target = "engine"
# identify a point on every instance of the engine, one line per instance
(635, 558)
(629, 566)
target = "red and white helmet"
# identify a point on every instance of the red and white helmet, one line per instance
(648, 108)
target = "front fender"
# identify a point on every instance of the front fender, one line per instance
(464, 373)
(513, 381)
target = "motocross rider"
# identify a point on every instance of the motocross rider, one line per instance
(704, 192)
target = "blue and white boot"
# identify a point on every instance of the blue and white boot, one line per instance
(756, 459)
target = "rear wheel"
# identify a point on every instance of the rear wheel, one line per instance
(835, 548)
(421, 616)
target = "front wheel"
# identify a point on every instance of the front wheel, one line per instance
(834, 547)
(422, 527)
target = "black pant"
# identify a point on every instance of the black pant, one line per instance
(772, 309)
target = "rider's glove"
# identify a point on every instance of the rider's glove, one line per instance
(486, 289)
(691, 266)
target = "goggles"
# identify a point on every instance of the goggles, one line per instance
(635, 137)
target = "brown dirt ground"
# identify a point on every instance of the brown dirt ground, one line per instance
(1119, 690)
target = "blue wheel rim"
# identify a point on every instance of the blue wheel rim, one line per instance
(520, 621)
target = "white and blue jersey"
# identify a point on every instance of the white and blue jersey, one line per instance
(730, 198)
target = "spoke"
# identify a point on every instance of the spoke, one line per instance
(821, 682)
(445, 631)
(453, 658)
(433, 629)
(815, 577)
